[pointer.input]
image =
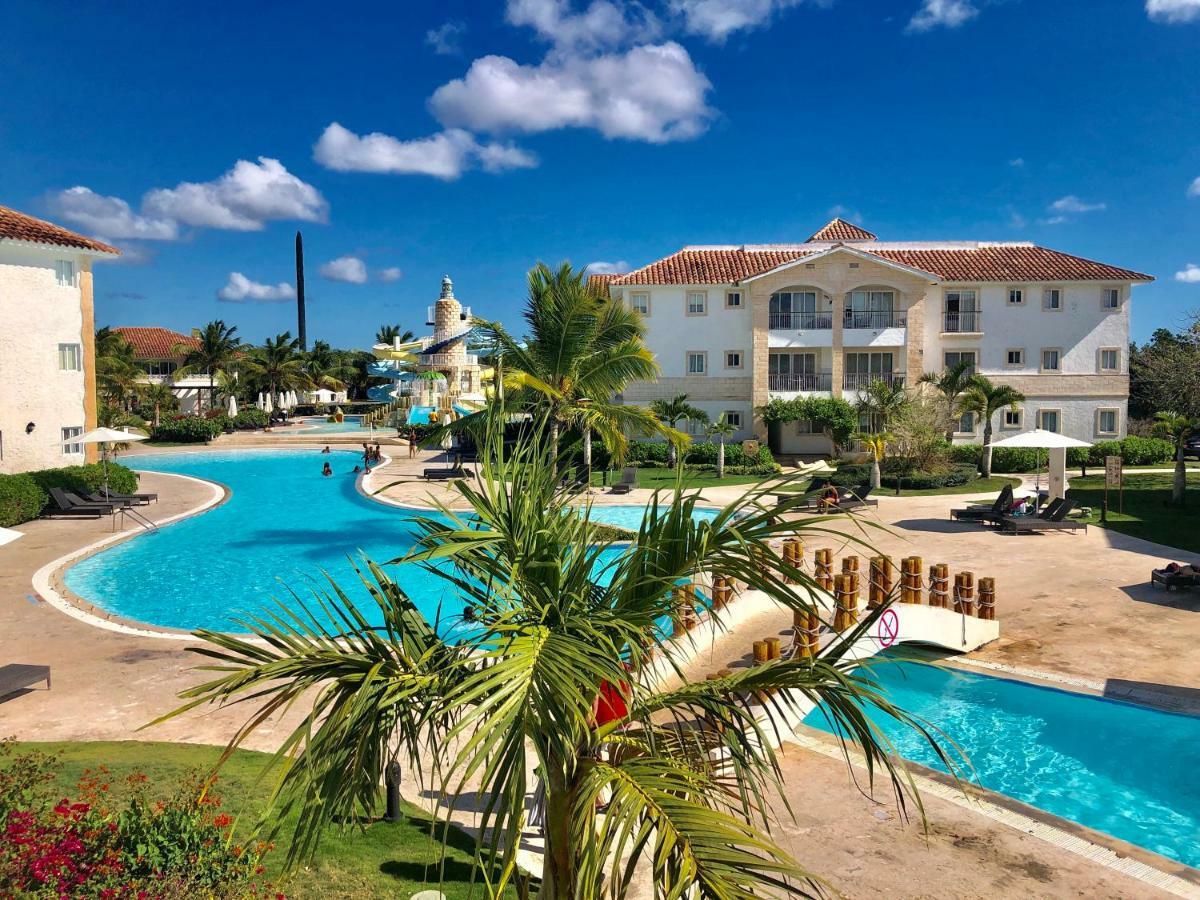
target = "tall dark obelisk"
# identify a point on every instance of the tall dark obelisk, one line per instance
(303, 335)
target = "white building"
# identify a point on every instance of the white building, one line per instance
(159, 353)
(736, 326)
(47, 346)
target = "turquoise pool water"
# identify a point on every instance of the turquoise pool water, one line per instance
(320, 425)
(419, 415)
(1122, 769)
(283, 525)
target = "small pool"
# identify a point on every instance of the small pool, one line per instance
(1122, 769)
(419, 415)
(283, 525)
(321, 424)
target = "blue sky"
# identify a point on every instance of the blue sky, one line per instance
(200, 136)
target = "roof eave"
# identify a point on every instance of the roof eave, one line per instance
(853, 251)
(75, 248)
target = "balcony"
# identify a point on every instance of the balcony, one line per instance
(801, 321)
(431, 318)
(786, 383)
(860, 382)
(873, 320)
(966, 322)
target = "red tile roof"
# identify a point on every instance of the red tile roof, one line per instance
(841, 230)
(155, 343)
(598, 284)
(980, 263)
(17, 226)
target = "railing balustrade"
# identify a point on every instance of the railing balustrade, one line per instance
(860, 382)
(960, 322)
(801, 321)
(800, 381)
(873, 319)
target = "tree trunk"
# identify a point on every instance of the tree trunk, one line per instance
(986, 461)
(876, 475)
(671, 451)
(554, 447)
(950, 428)
(1179, 484)
(587, 450)
(558, 870)
(212, 392)
(721, 458)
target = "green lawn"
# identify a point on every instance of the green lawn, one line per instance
(1145, 513)
(665, 478)
(992, 485)
(384, 860)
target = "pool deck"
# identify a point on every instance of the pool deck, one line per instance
(1076, 608)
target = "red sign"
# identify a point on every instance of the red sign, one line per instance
(889, 628)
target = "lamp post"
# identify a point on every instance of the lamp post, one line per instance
(586, 402)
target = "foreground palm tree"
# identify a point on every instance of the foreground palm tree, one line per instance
(217, 350)
(671, 413)
(1178, 429)
(561, 617)
(984, 399)
(950, 384)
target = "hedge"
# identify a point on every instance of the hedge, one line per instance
(251, 418)
(1133, 450)
(853, 475)
(20, 499)
(697, 453)
(188, 430)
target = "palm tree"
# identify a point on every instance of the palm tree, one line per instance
(882, 401)
(327, 367)
(117, 371)
(218, 349)
(876, 445)
(159, 396)
(277, 365)
(1177, 428)
(950, 384)
(985, 399)
(671, 413)
(581, 351)
(722, 431)
(387, 334)
(565, 620)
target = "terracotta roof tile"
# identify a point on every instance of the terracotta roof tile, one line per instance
(155, 343)
(598, 283)
(17, 226)
(704, 266)
(841, 230)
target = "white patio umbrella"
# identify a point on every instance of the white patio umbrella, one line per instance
(268, 406)
(104, 437)
(233, 410)
(1057, 444)
(259, 402)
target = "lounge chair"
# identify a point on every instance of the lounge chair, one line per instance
(17, 676)
(1046, 512)
(627, 483)
(63, 505)
(1175, 579)
(978, 513)
(1056, 521)
(444, 474)
(141, 499)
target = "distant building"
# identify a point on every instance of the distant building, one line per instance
(736, 326)
(47, 343)
(160, 353)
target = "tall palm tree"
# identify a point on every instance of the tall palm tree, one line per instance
(985, 399)
(581, 351)
(722, 430)
(556, 664)
(277, 365)
(387, 334)
(876, 445)
(1177, 428)
(158, 396)
(217, 350)
(951, 384)
(117, 371)
(671, 413)
(328, 368)
(882, 401)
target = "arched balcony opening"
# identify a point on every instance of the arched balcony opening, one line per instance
(873, 307)
(801, 308)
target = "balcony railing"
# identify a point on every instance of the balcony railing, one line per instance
(962, 322)
(801, 321)
(874, 319)
(860, 382)
(791, 382)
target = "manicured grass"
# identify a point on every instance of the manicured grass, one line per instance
(1145, 510)
(994, 485)
(665, 478)
(382, 860)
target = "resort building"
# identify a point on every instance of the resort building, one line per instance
(160, 353)
(47, 343)
(734, 327)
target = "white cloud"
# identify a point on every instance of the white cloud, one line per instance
(1173, 12)
(109, 217)
(717, 19)
(841, 211)
(652, 93)
(349, 269)
(445, 155)
(243, 199)
(1071, 204)
(241, 289)
(389, 275)
(1191, 274)
(446, 38)
(620, 267)
(1194, 188)
(603, 24)
(1053, 220)
(1018, 163)
(942, 14)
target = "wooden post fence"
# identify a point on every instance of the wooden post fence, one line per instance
(939, 585)
(964, 593)
(987, 599)
(823, 562)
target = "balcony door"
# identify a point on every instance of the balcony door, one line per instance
(792, 371)
(870, 309)
(962, 311)
(794, 309)
(863, 368)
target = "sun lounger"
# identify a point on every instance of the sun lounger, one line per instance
(1173, 580)
(979, 513)
(444, 474)
(17, 676)
(1056, 521)
(627, 483)
(63, 505)
(1046, 512)
(142, 499)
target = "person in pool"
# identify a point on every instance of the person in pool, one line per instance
(327, 469)
(326, 450)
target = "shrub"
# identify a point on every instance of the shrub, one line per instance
(1145, 451)
(21, 499)
(251, 418)
(702, 456)
(86, 479)
(1133, 450)
(188, 430)
(854, 475)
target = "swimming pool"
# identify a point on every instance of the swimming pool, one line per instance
(419, 415)
(321, 425)
(1115, 767)
(283, 525)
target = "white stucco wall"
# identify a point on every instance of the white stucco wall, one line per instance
(671, 332)
(36, 315)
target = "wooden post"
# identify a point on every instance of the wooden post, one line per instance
(964, 593)
(850, 565)
(721, 591)
(760, 652)
(879, 587)
(887, 579)
(911, 592)
(987, 599)
(772, 647)
(823, 561)
(939, 585)
(808, 634)
(845, 594)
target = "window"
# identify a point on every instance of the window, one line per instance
(954, 357)
(697, 303)
(1014, 356)
(1012, 419)
(962, 311)
(733, 417)
(1016, 297)
(966, 425)
(1110, 359)
(70, 358)
(870, 309)
(1052, 298)
(798, 310)
(1110, 298)
(64, 272)
(1047, 419)
(67, 434)
(1106, 421)
(640, 301)
(863, 368)
(733, 299)
(733, 359)
(693, 427)
(158, 367)
(1051, 360)
(697, 362)
(804, 426)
